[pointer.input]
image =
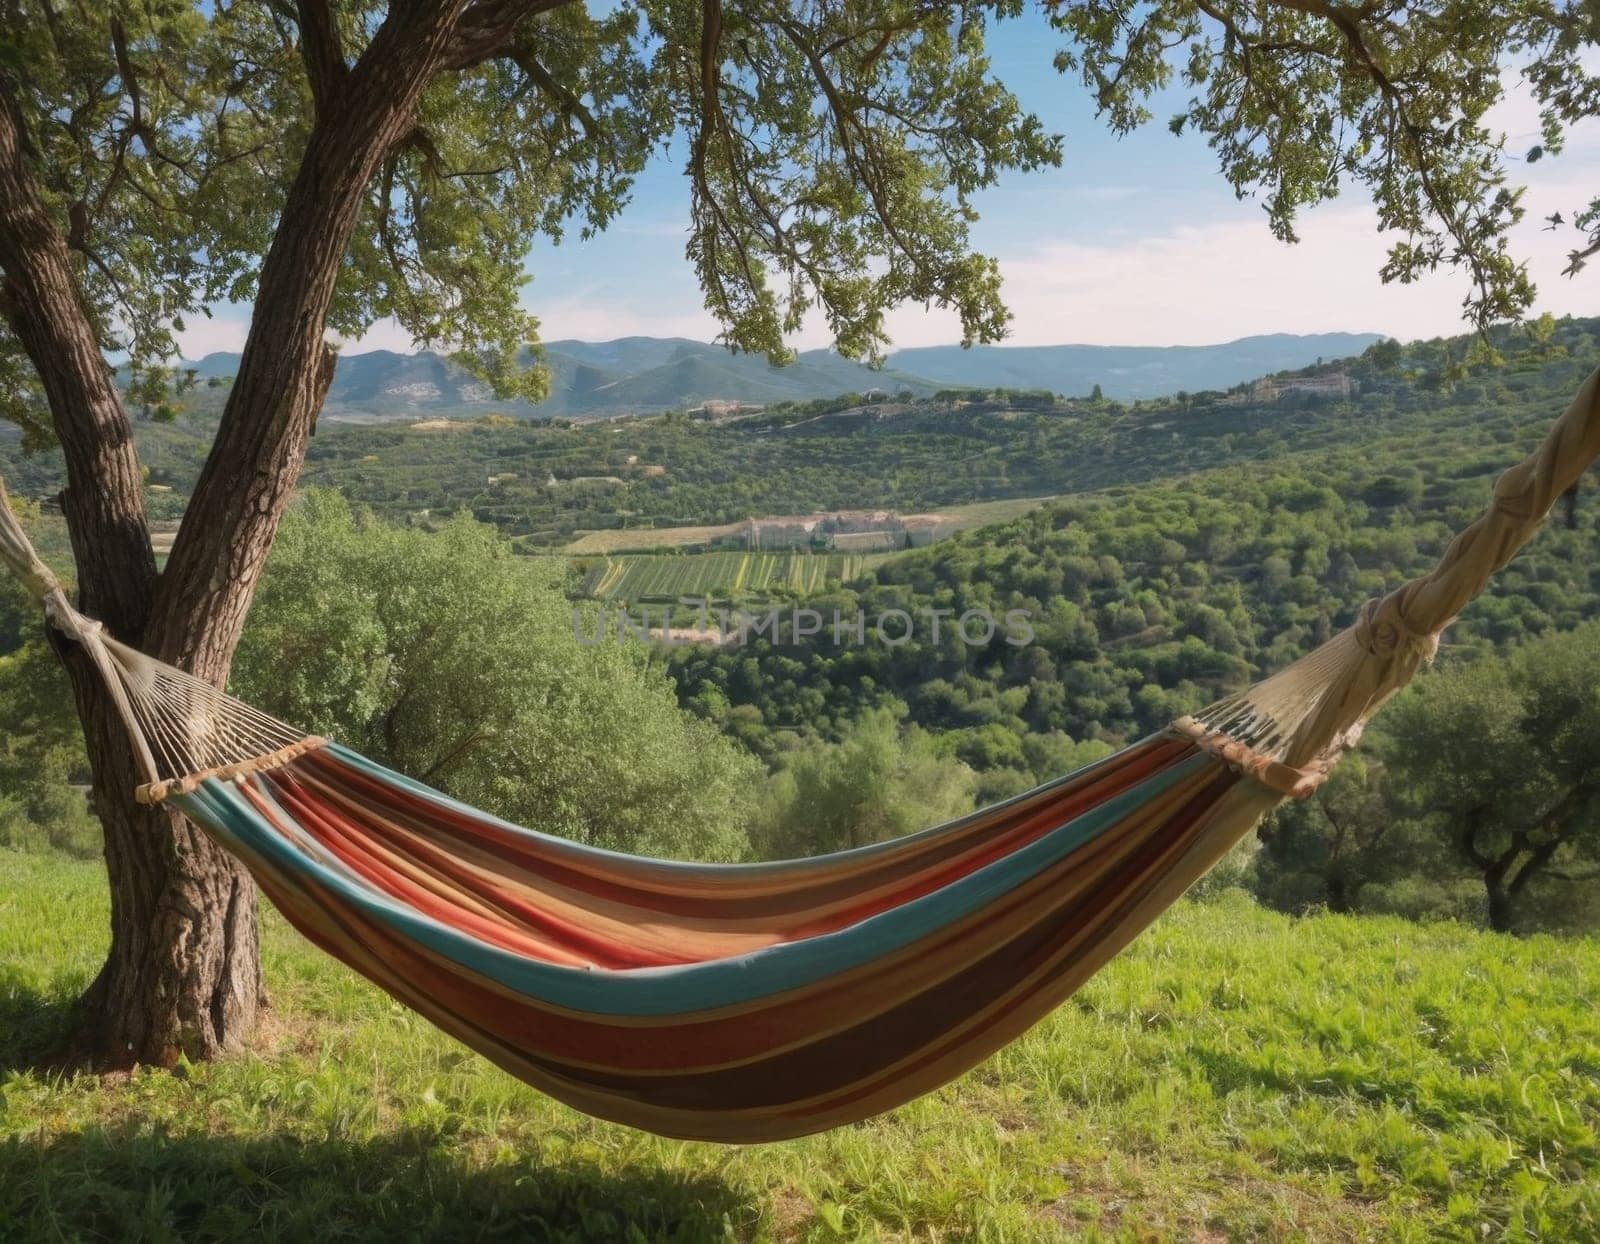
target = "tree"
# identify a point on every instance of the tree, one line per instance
(1344, 849)
(1385, 355)
(874, 784)
(42, 764)
(341, 162)
(442, 655)
(335, 163)
(1502, 760)
(1298, 97)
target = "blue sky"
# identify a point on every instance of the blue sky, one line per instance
(1136, 241)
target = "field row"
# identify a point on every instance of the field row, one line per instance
(972, 514)
(716, 575)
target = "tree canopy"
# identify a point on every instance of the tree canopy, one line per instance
(1502, 760)
(1303, 98)
(443, 656)
(876, 783)
(832, 152)
(334, 163)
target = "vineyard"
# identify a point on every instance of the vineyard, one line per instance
(720, 575)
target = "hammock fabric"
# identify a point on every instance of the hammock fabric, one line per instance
(756, 1002)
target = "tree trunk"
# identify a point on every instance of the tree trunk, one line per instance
(176, 979)
(183, 972)
(183, 975)
(285, 368)
(1499, 906)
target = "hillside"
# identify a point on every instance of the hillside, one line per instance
(1128, 372)
(645, 374)
(587, 380)
(648, 374)
(1234, 1074)
(669, 472)
(548, 483)
(1202, 550)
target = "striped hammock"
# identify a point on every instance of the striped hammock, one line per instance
(762, 1001)
(734, 1003)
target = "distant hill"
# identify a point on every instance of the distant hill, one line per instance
(651, 374)
(588, 379)
(1127, 372)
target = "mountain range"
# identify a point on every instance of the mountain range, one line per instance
(1128, 372)
(649, 374)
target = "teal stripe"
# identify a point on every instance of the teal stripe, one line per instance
(643, 866)
(686, 988)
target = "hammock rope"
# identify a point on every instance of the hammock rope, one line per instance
(761, 1001)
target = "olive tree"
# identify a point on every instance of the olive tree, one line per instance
(1501, 760)
(333, 162)
(444, 656)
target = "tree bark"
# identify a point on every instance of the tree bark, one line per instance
(1500, 895)
(183, 975)
(1500, 913)
(183, 972)
(177, 978)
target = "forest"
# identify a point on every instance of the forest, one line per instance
(1147, 597)
(1148, 602)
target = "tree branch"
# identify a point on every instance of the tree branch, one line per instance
(1559, 822)
(1348, 23)
(487, 28)
(1554, 875)
(857, 156)
(454, 755)
(1578, 259)
(320, 46)
(285, 367)
(104, 499)
(569, 103)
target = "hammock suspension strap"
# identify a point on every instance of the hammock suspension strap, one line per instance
(183, 730)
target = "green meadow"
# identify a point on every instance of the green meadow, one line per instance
(1237, 1074)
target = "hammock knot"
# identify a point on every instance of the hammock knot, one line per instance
(1521, 495)
(1383, 630)
(60, 614)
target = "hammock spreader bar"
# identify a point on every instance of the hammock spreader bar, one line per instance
(760, 1001)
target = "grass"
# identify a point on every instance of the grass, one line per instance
(985, 513)
(648, 577)
(1235, 1074)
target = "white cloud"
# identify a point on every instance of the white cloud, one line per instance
(202, 336)
(653, 228)
(604, 319)
(1197, 284)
